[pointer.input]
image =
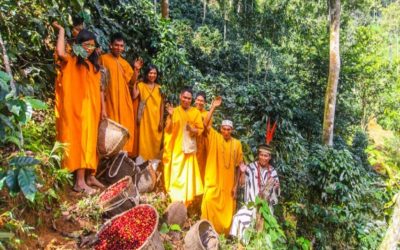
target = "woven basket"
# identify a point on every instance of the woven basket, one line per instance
(193, 238)
(153, 242)
(112, 137)
(127, 199)
(119, 167)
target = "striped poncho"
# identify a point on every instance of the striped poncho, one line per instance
(257, 178)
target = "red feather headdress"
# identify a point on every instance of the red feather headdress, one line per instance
(270, 131)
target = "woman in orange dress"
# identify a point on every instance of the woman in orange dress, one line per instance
(150, 114)
(81, 108)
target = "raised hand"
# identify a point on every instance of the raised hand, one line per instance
(138, 64)
(57, 26)
(170, 108)
(242, 167)
(217, 102)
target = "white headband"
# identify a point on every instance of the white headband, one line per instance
(227, 123)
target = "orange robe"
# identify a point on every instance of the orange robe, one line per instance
(202, 143)
(218, 205)
(181, 171)
(149, 136)
(79, 114)
(118, 99)
(59, 93)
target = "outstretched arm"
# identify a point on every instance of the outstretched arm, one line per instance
(168, 124)
(60, 48)
(103, 106)
(216, 103)
(137, 65)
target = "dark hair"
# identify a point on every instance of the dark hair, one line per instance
(146, 73)
(203, 94)
(187, 89)
(77, 20)
(82, 37)
(116, 37)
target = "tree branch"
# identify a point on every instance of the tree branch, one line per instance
(7, 64)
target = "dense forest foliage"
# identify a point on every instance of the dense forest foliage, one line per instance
(267, 59)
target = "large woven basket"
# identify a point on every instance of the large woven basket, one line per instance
(126, 200)
(193, 238)
(119, 167)
(112, 137)
(153, 242)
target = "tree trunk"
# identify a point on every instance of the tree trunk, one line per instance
(334, 70)
(7, 65)
(204, 10)
(392, 236)
(225, 17)
(165, 9)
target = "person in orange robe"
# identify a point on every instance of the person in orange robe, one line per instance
(150, 117)
(81, 108)
(202, 140)
(118, 100)
(181, 171)
(224, 156)
(78, 24)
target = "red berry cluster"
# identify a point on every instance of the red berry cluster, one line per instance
(128, 231)
(113, 190)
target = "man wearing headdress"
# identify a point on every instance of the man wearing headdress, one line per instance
(262, 181)
(224, 156)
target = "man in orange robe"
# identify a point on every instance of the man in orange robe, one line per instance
(181, 170)
(118, 101)
(224, 155)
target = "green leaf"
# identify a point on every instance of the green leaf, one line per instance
(6, 120)
(18, 108)
(164, 228)
(84, 15)
(22, 161)
(52, 193)
(6, 235)
(79, 51)
(12, 180)
(4, 77)
(13, 138)
(175, 227)
(2, 181)
(15, 109)
(36, 104)
(27, 183)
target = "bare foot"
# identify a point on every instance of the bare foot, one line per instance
(83, 188)
(92, 181)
